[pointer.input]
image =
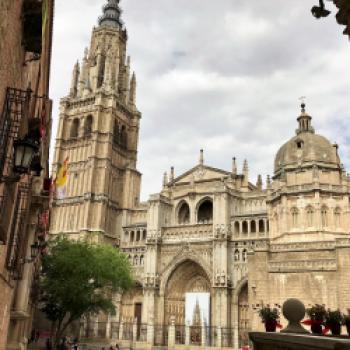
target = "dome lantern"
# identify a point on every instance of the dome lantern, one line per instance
(304, 121)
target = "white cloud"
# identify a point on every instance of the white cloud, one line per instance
(224, 76)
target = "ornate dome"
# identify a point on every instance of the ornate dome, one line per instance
(306, 148)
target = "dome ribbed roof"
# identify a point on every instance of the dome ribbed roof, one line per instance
(306, 148)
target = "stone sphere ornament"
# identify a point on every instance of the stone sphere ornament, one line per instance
(294, 311)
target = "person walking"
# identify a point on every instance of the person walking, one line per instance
(48, 344)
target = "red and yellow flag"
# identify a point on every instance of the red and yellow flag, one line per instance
(61, 180)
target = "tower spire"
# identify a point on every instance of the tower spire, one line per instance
(111, 15)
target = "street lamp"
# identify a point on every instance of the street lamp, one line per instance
(320, 11)
(34, 250)
(24, 151)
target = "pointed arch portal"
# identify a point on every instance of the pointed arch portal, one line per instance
(188, 278)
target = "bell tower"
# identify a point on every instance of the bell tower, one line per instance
(98, 134)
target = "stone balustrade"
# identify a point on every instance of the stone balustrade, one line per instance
(295, 336)
(280, 341)
(197, 232)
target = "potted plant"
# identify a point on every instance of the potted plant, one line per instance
(317, 315)
(347, 323)
(334, 320)
(270, 317)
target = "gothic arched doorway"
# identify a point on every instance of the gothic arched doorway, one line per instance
(187, 300)
(188, 277)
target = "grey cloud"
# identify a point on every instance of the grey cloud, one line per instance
(220, 75)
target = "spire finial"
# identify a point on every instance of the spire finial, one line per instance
(304, 119)
(165, 179)
(234, 166)
(172, 174)
(201, 157)
(111, 15)
(259, 183)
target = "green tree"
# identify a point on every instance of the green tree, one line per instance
(78, 278)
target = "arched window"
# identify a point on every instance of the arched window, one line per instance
(236, 227)
(253, 226)
(101, 71)
(337, 217)
(245, 227)
(138, 235)
(237, 255)
(244, 255)
(136, 260)
(75, 128)
(116, 133)
(142, 259)
(310, 216)
(261, 226)
(295, 217)
(275, 219)
(132, 236)
(123, 137)
(205, 211)
(144, 235)
(88, 125)
(184, 213)
(324, 216)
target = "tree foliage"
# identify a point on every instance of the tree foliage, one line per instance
(79, 278)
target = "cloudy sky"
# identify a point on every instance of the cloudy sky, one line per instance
(221, 75)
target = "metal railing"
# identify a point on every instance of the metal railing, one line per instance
(210, 336)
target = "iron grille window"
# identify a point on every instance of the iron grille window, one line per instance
(15, 108)
(17, 242)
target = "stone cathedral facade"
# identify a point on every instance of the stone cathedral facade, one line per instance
(208, 230)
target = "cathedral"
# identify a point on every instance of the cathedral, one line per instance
(208, 230)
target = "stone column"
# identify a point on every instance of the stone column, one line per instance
(108, 327)
(121, 330)
(219, 337)
(95, 326)
(134, 330)
(235, 326)
(187, 334)
(83, 327)
(171, 332)
(204, 335)
(150, 334)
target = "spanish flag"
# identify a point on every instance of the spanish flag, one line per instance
(61, 180)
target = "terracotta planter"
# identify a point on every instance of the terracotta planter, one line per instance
(316, 328)
(335, 328)
(270, 326)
